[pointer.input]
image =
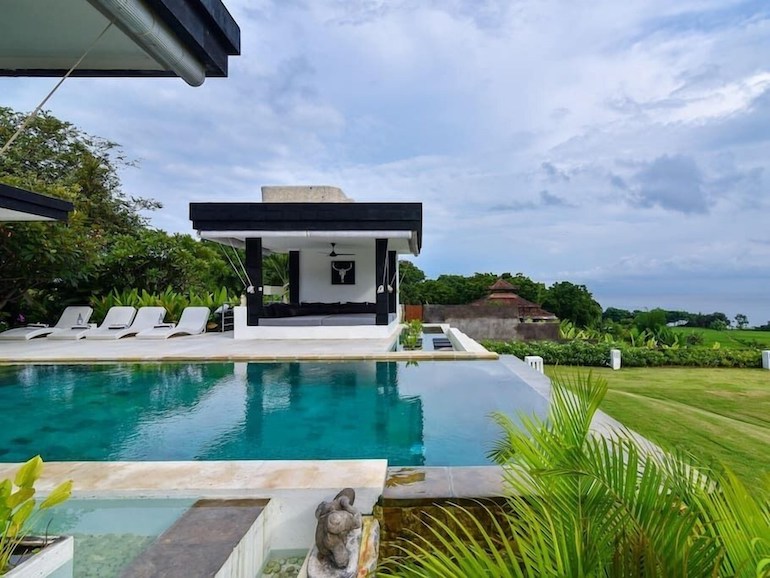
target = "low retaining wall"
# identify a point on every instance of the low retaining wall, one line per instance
(404, 522)
(491, 322)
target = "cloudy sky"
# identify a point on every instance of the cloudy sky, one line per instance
(623, 145)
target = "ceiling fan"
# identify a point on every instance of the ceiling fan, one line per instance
(333, 252)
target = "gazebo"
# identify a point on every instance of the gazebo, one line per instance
(343, 260)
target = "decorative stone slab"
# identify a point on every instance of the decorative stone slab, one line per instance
(199, 543)
(370, 546)
(477, 482)
(414, 486)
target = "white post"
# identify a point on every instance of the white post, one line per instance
(766, 359)
(535, 362)
(615, 358)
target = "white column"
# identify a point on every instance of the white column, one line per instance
(535, 362)
(615, 358)
(766, 359)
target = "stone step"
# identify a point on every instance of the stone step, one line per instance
(213, 539)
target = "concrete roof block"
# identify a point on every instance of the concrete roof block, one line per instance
(304, 194)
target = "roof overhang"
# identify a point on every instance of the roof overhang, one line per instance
(295, 226)
(20, 205)
(190, 39)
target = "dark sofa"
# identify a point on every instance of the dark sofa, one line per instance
(276, 310)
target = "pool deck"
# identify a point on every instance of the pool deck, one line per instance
(218, 347)
(295, 488)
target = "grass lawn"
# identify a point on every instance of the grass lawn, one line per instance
(715, 414)
(729, 338)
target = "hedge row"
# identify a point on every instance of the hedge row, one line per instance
(598, 354)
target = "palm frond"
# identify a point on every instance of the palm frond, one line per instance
(587, 505)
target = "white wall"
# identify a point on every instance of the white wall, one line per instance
(315, 280)
(385, 332)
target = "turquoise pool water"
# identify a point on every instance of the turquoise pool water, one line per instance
(108, 534)
(431, 413)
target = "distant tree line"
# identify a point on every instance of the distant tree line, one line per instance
(564, 299)
(660, 317)
(568, 301)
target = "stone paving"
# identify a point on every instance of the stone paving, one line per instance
(215, 347)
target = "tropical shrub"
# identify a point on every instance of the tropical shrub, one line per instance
(569, 331)
(650, 337)
(694, 338)
(17, 506)
(584, 505)
(598, 354)
(411, 334)
(174, 302)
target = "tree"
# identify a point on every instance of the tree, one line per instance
(275, 269)
(673, 316)
(573, 302)
(718, 325)
(38, 260)
(155, 261)
(455, 289)
(741, 321)
(460, 289)
(106, 243)
(617, 315)
(650, 320)
(411, 277)
(706, 320)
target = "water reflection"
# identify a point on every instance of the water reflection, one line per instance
(210, 411)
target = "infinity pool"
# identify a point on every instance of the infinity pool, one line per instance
(434, 413)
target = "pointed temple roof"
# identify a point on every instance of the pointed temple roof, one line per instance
(501, 285)
(502, 292)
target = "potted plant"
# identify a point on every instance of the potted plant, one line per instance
(21, 554)
(411, 336)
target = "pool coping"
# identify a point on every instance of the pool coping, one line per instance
(391, 356)
(222, 347)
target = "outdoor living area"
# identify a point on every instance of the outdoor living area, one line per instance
(342, 261)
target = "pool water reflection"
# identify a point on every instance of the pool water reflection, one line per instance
(433, 413)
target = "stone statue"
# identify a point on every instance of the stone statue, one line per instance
(336, 520)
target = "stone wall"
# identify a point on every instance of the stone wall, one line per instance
(498, 322)
(399, 523)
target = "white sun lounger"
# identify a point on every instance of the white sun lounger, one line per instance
(116, 316)
(76, 316)
(192, 322)
(146, 318)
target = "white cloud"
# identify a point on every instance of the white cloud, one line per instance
(551, 137)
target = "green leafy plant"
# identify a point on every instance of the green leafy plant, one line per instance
(17, 506)
(597, 354)
(174, 302)
(411, 334)
(585, 505)
(693, 338)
